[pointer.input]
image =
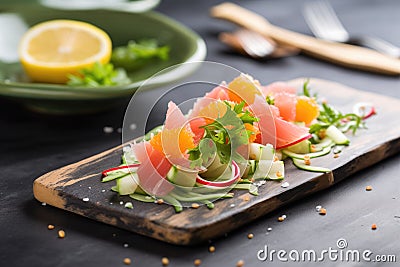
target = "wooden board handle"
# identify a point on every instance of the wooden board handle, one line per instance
(343, 54)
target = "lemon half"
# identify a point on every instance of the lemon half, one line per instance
(51, 50)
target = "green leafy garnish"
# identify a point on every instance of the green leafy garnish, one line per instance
(328, 116)
(136, 54)
(227, 133)
(99, 75)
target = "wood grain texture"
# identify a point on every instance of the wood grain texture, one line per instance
(343, 54)
(66, 187)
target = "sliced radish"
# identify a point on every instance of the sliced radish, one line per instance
(105, 172)
(235, 177)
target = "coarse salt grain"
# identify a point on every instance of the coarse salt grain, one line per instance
(232, 205)
(283, 216)
(318, 208)
(103, 190)
(85, 199)
(269, 229)
(108, 129)
(285, 185)
(44, 203)
(133, 126)
(126, 245)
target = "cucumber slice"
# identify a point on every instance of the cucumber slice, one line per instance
(301, 165)
(337, 136)
(326, 142)
(182, 178)
(323, 152)
(302, 147)
(268, 169)
(142, 198)
(127, 184)
(113, 176)
(261, 152)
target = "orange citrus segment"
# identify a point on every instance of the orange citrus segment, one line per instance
(243, 87)
(173, 142)
(51, 50)
(306, 109)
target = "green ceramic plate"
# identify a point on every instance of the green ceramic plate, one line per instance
(122, 26)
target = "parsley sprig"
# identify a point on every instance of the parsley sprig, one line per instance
(99, 75)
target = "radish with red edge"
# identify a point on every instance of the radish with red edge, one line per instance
(235, 177)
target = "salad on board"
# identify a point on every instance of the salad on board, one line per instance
(235, 137)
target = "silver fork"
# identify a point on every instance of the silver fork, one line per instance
(324, 24)
(254, 44)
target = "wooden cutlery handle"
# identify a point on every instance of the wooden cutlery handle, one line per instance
(343, 54)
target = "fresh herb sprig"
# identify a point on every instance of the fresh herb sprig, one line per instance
(328, 116)
(136, 54)
(99, 75)
(227, 133)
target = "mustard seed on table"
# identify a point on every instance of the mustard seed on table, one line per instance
(211, 249)
(127, 261)
(61, 234)
(197, 262)
(240, 263)
(165, 261)
(50, 227)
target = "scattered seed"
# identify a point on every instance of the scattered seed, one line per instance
(322, 211)
(318, 208)
(278, 174)
(281, 219)
(108, 129)
(307, 160)
(313, 148)
(160, 201)
(368, 188)
(165, 261)
(276, 158)
(336, 156)
(195, 206)
(127, 261)
(246, 198)
(211, 249)
(285, 185)
(373, 226)
(50, 227)
(250, 236)
(197, 262)
(240, 263)
(61, 234)
(85, 199)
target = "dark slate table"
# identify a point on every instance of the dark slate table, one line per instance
(33, 144)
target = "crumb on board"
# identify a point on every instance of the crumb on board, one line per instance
(322, 211)
(165, 261)
(61, 233)
(240, 263)
(127, 261)
(211, 249)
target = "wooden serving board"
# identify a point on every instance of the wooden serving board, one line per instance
(66, 187)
